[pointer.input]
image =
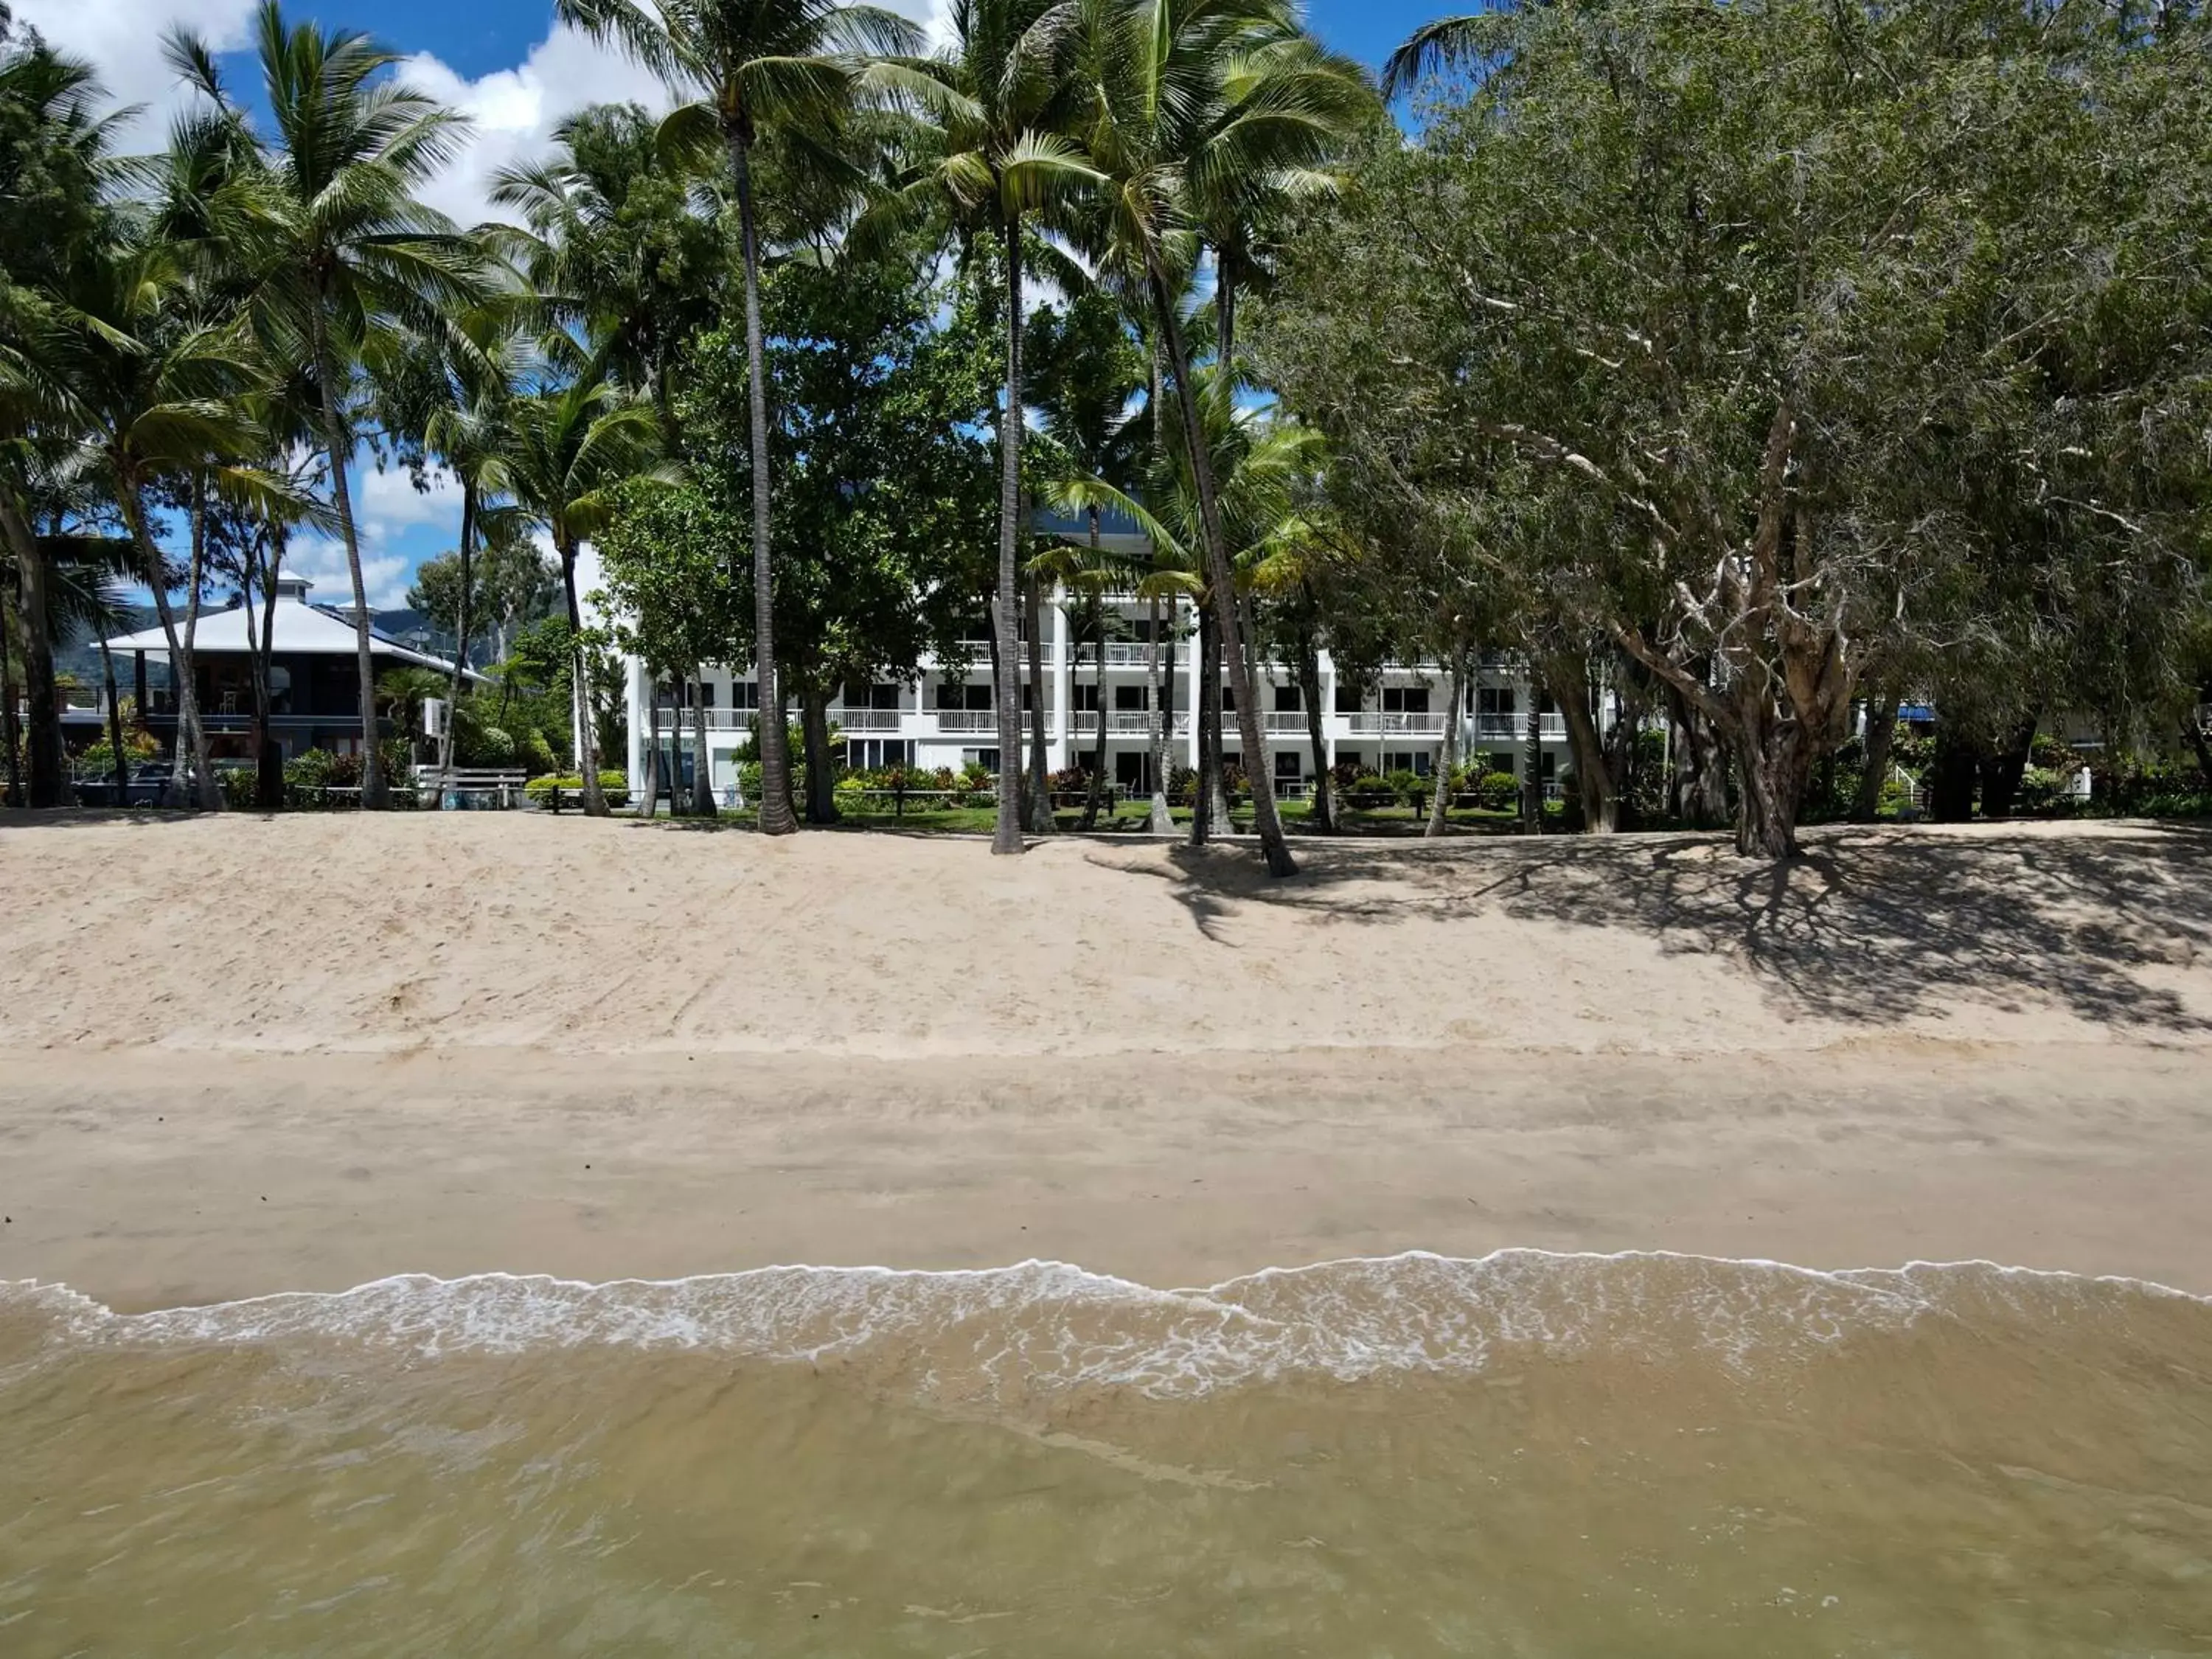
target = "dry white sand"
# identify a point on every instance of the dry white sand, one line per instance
(239, 1054)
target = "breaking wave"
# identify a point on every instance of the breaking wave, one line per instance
(1046, 1327)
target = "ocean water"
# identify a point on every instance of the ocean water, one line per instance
(1526, 1455)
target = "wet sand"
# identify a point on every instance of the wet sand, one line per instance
(241, 1055)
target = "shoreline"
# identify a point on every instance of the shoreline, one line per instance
(243, 1056)
(160, 1179)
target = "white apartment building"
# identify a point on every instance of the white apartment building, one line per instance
(947, 717)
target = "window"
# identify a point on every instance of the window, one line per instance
(986, 758)
(1287, 700)
(1086, 697)
(1545, 769)
(963, 696)
(1405, 699)
(1288, 764)
(870, 696)
(1494, 700)
(1348, 700)
(1415, 761)
(873, 752)
(745, 693)
(1129, 699)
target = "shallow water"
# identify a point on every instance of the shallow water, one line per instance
(1527, 1455)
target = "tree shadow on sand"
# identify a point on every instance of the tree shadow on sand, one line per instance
(1869, 926)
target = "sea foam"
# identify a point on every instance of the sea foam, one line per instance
(1039, 1327)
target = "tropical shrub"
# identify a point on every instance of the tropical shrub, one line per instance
(1408, 787)
(1182, 786)
(1495, 791)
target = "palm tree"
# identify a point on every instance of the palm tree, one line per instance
(1262, 466)
(752, 66)
(1436, 43)
(55, 169)
(1093, 372)
(161, 396)
(996, 104)
(566, 450)
(1169, 117)
(341, 245)
(450, 394)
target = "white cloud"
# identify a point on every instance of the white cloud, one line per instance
(514, 111)
(122, 39)
(384, 576)
(387, 502)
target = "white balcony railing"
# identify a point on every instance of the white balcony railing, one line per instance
(1120, 654)
(1125, 723)
(1514, 728)
(1287, 719)
(868, 719)
(967, 719)
(1369, 722)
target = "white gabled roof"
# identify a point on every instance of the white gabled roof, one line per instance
(297, 629)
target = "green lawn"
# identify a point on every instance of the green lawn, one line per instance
(1130, 817)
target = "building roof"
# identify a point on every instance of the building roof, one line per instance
(297, 629)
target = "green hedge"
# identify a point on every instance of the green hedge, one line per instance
(571, 786)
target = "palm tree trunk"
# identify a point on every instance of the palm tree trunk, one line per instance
(1041, 819)
(257, 678)
(132, 505)
(47, 784)
(579, 686)
(1222, 580)
(1447, 751)
(209, 796)
(651, 803)
(1006, 833)
(1319, 817)
(1532, 766)
(269, 758)
(121, 767)
(775, 817)
(703, 779)
(460, 630)
(1163, 821)
(10, 735)
(337, 444)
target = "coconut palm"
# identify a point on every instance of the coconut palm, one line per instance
(1262, 467)
(447, 395)
(55, 169)
(995, 105)
(161, 396)
(566, 450)
(1435, 45)
(340, 244)
(751, 66)
(1168, 118)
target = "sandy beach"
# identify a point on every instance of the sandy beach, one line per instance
(239, 1054)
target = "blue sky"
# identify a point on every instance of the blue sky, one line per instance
(504, 63)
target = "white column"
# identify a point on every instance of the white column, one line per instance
(1056, 752)
(635, 694)
(1191, 655)
(1328, 710)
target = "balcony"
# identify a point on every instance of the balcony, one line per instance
(1125, 723)
(967, 719)
(868, 719)
(1281, 721)
(1369, 722)
(1120, 654)
(1514, 728)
